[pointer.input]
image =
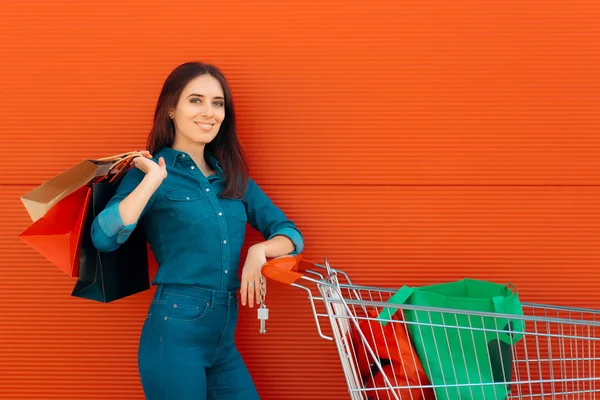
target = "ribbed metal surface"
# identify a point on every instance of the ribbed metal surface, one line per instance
(412, 142)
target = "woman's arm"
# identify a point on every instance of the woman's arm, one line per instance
(278, 245)
(134, 196)
(281, 237)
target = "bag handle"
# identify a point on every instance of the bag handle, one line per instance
(515, 335)
(121, 164)
(399, 298)
(119, 156)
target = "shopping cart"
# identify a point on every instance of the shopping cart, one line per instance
(555, 358)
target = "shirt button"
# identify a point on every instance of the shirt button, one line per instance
(220, 214)
(207, 189)
(225, 241)
(183, 155)
(192, 167)
(226, 271)
(187, 198)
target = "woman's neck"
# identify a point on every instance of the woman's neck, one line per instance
(195, 151)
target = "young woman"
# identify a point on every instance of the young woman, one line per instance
(192, 196)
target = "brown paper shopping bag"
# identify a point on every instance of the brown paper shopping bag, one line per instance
(41, 199)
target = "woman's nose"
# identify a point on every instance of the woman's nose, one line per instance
(207, 110)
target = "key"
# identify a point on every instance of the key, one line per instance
(263, 316)
(263, 311)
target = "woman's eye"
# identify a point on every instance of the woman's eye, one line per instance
(195, 100)
(219, 104)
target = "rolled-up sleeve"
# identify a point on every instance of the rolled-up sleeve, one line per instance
(108, 231)
(268, 219)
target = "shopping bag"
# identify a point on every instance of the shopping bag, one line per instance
(378, 390)
(396, 354)
(469, 355)
(42, 198)
(106, 277)
(57, 235)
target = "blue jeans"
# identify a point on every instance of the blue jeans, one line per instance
(187, 348)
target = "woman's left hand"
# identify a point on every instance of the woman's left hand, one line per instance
(250, 283)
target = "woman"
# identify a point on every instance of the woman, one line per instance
(192, 196)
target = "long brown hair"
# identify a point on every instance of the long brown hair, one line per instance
(225, 147)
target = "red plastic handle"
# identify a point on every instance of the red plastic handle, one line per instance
(286, 269)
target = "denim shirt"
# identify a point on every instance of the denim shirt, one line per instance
(195, 235)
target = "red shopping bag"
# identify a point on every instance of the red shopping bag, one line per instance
(398, 379)
(394, 350)
(57, 235)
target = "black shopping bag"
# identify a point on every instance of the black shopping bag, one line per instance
(106, 277)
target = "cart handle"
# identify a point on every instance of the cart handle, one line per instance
(286, 269)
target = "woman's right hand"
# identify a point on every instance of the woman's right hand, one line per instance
(145, 164)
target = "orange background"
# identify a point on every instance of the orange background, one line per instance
(412, 142)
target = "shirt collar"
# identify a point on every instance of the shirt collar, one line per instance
(171, 156)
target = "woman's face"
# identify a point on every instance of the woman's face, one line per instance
(199, 112)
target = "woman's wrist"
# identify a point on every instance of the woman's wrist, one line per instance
(153, 180)
(276, 246)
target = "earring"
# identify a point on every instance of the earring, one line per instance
(170, 115)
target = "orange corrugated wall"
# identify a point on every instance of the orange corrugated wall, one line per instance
(412, 141)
